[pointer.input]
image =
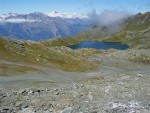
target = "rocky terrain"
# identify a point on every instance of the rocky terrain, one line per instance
(120, 85)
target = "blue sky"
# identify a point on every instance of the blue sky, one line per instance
(78, 6)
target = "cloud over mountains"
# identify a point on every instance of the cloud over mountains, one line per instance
(107, 18)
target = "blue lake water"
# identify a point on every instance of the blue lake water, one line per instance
(100, 45)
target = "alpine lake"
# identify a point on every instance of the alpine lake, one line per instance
(100, 45)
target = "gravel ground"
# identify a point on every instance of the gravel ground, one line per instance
(120, 85)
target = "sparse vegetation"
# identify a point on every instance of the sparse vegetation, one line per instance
(61, 42)
(44, 55)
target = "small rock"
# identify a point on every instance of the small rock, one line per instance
(24, 106)
(55, 89)
(57, 93)
(38, 91)
(24, 92)
(139, 75)
(5, 109)
(18, 104)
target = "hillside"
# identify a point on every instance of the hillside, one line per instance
(134, 31)
(36, 53)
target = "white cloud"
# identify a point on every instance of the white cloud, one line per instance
(17, 20)
(108, 17)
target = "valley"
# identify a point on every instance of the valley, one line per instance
(48, 77)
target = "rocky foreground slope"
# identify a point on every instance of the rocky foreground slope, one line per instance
(120, 85)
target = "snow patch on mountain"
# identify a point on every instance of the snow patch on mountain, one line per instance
(37, 16)
(66, 15)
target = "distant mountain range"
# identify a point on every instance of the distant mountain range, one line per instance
(37, 26)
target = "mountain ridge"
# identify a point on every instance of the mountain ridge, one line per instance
(37, 26)
(50, 14)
